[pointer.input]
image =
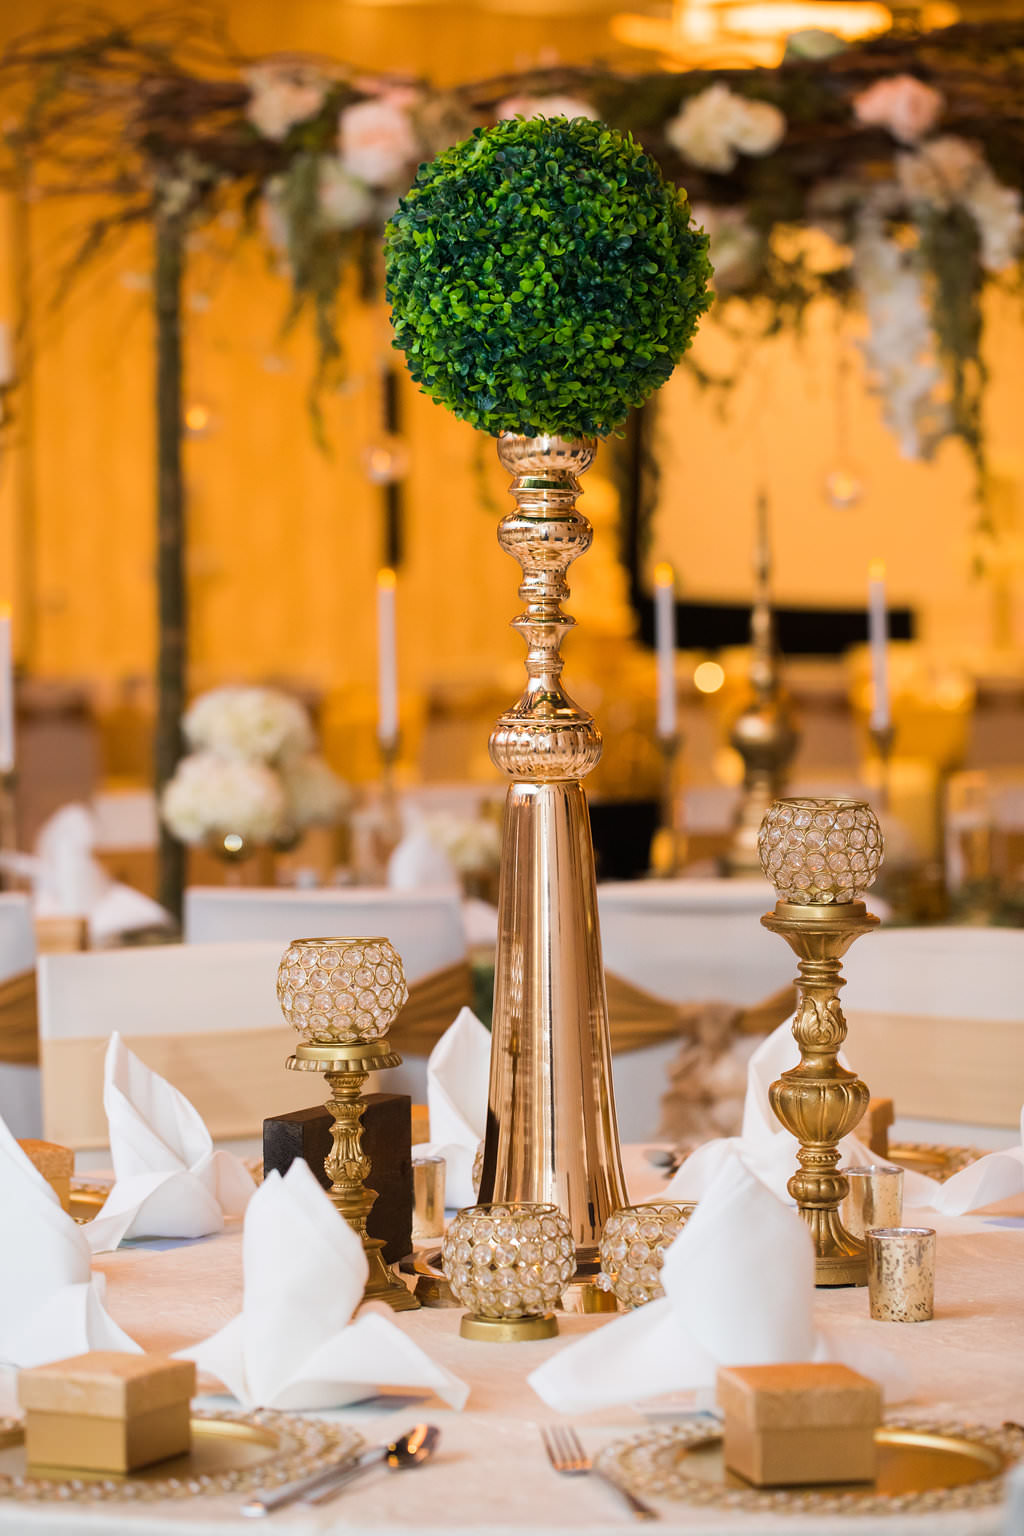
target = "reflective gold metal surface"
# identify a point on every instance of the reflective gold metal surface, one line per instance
(551, 1130)
(507, 1330)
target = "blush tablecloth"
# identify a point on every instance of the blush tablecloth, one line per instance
(490, 1475)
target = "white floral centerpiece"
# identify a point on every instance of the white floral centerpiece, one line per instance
(254, 777)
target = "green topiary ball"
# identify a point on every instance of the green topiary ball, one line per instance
(544, 277)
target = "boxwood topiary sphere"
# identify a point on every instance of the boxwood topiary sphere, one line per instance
(543, 277)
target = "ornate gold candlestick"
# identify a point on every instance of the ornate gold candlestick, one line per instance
(343, 995)
(668, 846)
(764, 734)
(551, 1132)
(820, 855)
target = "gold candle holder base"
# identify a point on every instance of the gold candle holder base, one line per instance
(346, 1068)
(668, 846)
(882, 738)
(507, 1330)
(583, 1296)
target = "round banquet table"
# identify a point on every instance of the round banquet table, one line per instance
(490, 1475)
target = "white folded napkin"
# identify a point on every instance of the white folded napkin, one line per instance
(169, 1180)
(418, 860)
(51, 1305)
(766, 1146)
(999, 1176)
(739, 1290)
(458, 1071)
(295, 1344)
(68, 881)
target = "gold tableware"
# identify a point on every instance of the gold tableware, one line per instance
(633, 1247)
(343, 995)
(509, 1264)
(566, 1454)
(551, 1130)
(428, 1178)
(820, 855)
(87, 1199)
(231, 1453)
(874, 1198)
(925, 1466)
(937, 1162)
(901, 1274)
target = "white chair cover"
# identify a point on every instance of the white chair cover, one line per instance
(20, 1105)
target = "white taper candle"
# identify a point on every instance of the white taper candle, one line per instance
(878, 638)
(665, 647)
(387, 658)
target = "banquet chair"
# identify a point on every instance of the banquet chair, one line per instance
(19, 1048)
(936, 1023)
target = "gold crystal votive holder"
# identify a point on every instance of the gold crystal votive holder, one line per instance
(633, 1247)
(901, 1274)
(509, 1264)
(821, 855)
(874, 1198)
(342, 995)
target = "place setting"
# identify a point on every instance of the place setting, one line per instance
(571, 1080)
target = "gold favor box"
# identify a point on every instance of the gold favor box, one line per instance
(55, 1163)
(106, 1412)
(796, 1424)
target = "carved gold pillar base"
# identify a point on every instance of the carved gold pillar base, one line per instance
(346, 1068)
(820, 855)
(551, 1133)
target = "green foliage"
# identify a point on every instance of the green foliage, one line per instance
(544, 277)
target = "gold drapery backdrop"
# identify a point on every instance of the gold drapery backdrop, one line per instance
(284, 541)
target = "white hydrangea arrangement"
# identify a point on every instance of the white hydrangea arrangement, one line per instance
(254, 771)
(472, 843)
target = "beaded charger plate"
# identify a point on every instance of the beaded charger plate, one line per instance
(231, 1453)
(936, 1161)
(921, 1467)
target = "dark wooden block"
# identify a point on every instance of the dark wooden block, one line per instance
(387, 1142)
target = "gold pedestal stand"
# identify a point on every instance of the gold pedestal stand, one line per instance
(820, 854)
(343, 995)
(551, 1130)
(346, 1068)
(764, 734)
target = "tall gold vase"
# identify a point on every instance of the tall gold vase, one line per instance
(551, 1129)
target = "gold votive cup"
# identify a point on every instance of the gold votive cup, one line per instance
(874, 1198)
(901, 1274)
(428, 1177)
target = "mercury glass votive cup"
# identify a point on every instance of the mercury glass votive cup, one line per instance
(428, 1178)
(633, 1247)
(901, 1274)
(509, 1264)
(874, 1198)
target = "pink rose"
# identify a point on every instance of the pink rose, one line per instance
(906, 107)
(377, 140)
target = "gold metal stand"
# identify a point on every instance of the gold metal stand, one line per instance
(820, 855)
(551, 1130)
(508, 1330)
(668, 847)
(882, 738)
(764, 734)
(346, 1068)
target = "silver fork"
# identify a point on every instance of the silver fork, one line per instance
(567, 1455)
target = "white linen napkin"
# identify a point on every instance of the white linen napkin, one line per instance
(999, 1176)
(68, 881)
(739, 1290)
(295, 1344)
(51, 1305)
(766, 1146)
(169, 1180)
(458, 1071)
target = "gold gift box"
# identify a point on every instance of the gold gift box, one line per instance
(55, 1163)
(794, 1424)
(106, 1412)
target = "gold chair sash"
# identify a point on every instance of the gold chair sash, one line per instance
(19, 1037)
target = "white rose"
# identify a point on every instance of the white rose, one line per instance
(377, 141)
(996, 209)
(757, 127)
(344, 201)
(940, 171)
(543, 106)
(281, 94)
(248, 723)
(712, 126)
(210, 794)
(733, 245)
(314, 794)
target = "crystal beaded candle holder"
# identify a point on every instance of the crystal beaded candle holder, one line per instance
(820, 851)
(341, 991)
(633, 1247)
(509, 1264)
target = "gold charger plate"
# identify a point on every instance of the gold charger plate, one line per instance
(936, 1161)
(231, 1453)
(922, 1466)
(87, 1198)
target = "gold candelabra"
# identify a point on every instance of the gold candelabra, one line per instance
(668, 846)
(343, 995)
(551, 1131)
(821, 855)
(764, 734)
